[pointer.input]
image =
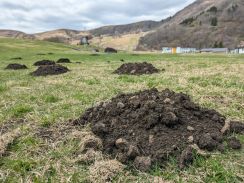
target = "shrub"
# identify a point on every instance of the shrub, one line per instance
(214, 21)
(188, 21)
(213, 9)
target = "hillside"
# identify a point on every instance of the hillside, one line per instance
(202, 24)
(15, 34)
(137, 27)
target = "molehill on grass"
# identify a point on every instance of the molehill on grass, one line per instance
(63, 60)
(50, 70)
(44, 62)
(16, 67)
(148, 127)
(136, 69)
(110, 50)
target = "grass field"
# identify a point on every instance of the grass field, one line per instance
(32, 108)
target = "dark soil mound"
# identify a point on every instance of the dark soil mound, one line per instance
(237, 127)
(63, 60)
(50, 70)
(44, 62)
(110, 50)
(149, 126)
(16, 67)
(136, 69)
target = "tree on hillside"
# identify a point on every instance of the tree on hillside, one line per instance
(214, 21)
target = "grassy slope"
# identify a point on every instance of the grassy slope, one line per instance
(215, 81)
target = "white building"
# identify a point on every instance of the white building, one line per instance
(178, 50)
(214, 50)
(241, 50)
(167, 50)
(185, 50)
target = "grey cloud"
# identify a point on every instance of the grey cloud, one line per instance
(31, 16)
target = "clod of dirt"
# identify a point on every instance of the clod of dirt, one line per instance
(234, 143)
(143, 163)
(110, 50)
(16, 67)
(50, 70)
(63, 60)
(206, 141)
(152, 124)
(186, 157)
(90, 157)
(237, 127)
(50, 53)
(122, 60)
(16, 58)
(44, 62)
(136, 69)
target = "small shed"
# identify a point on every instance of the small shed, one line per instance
(166, 50)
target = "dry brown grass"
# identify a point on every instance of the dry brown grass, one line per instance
(7, 139)
(104, 171)
(126, 42)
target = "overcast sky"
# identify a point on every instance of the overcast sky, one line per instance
(33, 16)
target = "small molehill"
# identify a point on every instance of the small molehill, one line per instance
(110, 50)
(44, 62)
(50, 70)
(64, 60)
(16, 67)
(16, 58)
(136, 69)
(150, 126)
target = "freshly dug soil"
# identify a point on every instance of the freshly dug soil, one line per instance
(50, 70)
(234, 143)
(237, 127)
(148, 127)
(136, 69)
(44, 62)
(63, 60)
(110, 50)
(16, 67)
